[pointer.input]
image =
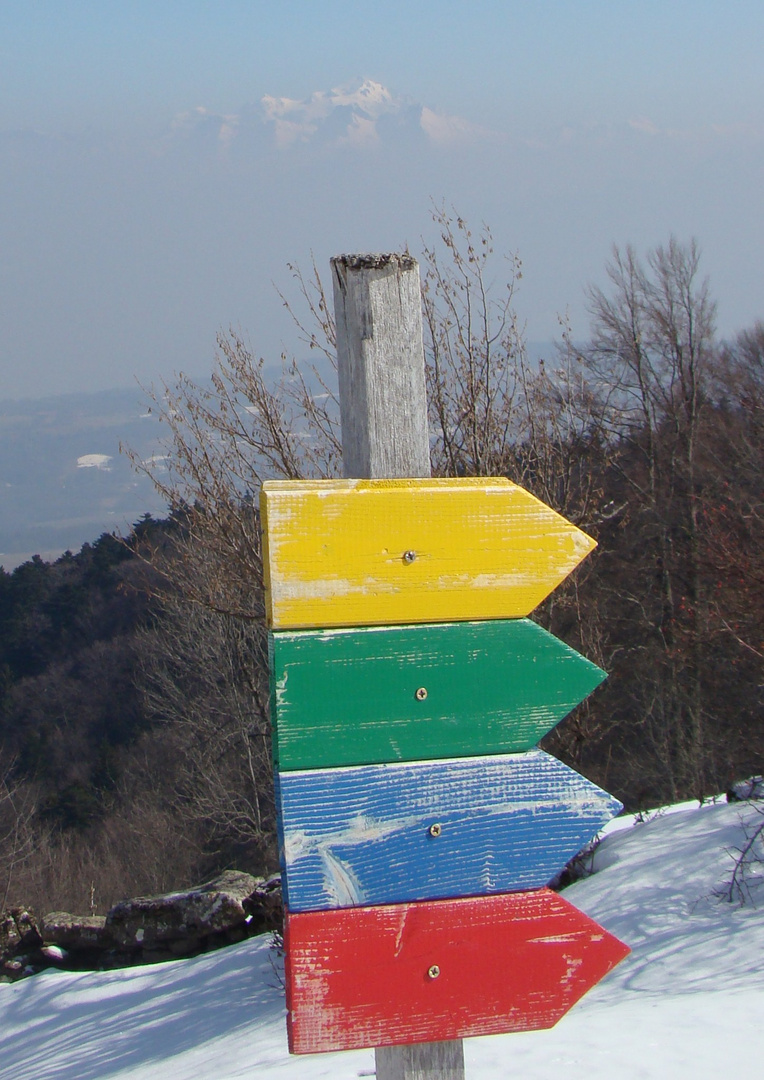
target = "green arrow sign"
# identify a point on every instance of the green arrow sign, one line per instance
(408, 693)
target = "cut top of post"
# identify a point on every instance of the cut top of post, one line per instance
(376, 261)
(380, 361)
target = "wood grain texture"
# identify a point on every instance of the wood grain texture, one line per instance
(335, 551)
(514, 962)
(408, 693)
(380, 363)
(421, 1061)
(385, 433)
(364, 835)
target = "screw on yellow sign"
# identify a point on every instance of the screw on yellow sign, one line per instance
(372, 552)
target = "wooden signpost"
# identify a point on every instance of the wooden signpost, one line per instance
(440, 970)
(373, 552)
(417, 824)
(424, 830)
(413, 693)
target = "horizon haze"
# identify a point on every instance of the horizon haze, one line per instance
(162, 164)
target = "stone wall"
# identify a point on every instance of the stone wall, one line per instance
(146, 929)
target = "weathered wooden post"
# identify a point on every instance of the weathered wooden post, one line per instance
(385, 433)
(419, 824)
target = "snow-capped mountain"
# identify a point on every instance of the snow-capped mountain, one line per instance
(360, 114)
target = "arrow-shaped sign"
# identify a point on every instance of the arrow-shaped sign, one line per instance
(383, 793)
(407, 693)
(381, 552)
(384, 834)
(445, 970)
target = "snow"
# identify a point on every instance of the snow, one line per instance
(94, 461)
(349, 115)
(687, 1004)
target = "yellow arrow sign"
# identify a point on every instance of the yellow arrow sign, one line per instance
(373, 552)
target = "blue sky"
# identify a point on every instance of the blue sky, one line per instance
(601, 122)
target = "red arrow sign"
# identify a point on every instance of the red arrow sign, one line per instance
(380, 976)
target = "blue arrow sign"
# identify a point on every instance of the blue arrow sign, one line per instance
(386, 834)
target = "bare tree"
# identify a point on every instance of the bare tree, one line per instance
(19, 835)
(491, 412)
(205, 677)
(622, 436)
(475, 352)
(653, 350)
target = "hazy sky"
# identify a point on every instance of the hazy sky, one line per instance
(148, 198)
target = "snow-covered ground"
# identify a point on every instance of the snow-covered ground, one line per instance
(688, 1004)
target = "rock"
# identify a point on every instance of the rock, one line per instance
(26, 924)
(155, 956)
(752, 788)
(149, 929)
(264, 906)
(150, 921)
(19, 936)
(75, 931)
(186, 946)
(10, 937)
(53, 953)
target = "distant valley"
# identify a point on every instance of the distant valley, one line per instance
(63, 480)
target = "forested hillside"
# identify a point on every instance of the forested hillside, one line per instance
(67, 656)
(104, 790)
(134, 708)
